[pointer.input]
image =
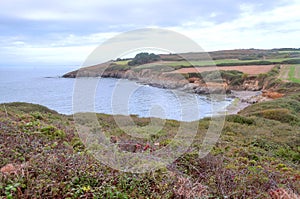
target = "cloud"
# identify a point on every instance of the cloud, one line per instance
(112, 13)
(64, 31)
(269, 29)
(59, 49)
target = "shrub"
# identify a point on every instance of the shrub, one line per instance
(29, 108)
(240, 119)
(279, 114)
(144, 58)
(53, 132)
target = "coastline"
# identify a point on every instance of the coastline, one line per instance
(243, 99)
(244, 95)
(244, 89)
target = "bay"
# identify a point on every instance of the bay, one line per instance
(112, 96)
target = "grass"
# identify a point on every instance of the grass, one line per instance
(285, 110)
(254, 156)
(205, 63)
(293, 76)
(123, 62)
(221, 61)
(289, 51)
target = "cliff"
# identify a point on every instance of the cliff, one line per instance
(202, 83)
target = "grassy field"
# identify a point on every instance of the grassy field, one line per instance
(216, 62)
(290, 73)
(294, 74)
(123, 62)
(175, 65)
(171, 62)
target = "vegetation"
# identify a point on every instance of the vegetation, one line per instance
(171, 62)
(290, 73)
(117, 67)
(286, 110)
(293, 76)
(238, 54)
(255, 156)
(231, 62)
(122, 62)
(143, 58)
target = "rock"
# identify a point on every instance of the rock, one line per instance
(251, 85)
(202, 90)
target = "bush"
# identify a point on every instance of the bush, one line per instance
(291, 61)
(144, 58)
(280, 114)
(53, 132)
(246, 63)
(240, 119)
(231, 75)
(29, 108)
(285, 109)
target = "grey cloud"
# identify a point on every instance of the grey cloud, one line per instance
(101, 17)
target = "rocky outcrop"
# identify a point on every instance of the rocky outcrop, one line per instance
(170, 80)
(161, 80)
(251, 85)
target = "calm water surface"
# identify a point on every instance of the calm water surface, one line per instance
(112, 96)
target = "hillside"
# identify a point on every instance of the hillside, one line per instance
(238, 69)
(257, 155)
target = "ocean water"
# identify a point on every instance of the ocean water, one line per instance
(102, 95)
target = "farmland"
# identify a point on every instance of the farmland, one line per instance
(290, 73)
(250, 70)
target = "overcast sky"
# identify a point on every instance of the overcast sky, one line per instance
(65, 32)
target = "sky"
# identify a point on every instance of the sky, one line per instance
(56, 32)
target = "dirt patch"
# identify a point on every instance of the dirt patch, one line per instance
(272, 95)
(251, 70)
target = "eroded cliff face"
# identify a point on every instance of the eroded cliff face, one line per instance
(173, 80)
(152, 78)
(157, 79)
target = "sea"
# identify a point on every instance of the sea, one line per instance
(44, 86)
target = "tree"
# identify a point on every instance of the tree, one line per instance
(144, 58)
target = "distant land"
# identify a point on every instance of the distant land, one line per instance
(241, 69)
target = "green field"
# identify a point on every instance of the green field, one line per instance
(170, 62)
(123, 62)
(221, 61)
(180, 64)
(290, 73)
(294, 73)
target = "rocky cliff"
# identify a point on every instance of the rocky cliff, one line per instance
(200, 84)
